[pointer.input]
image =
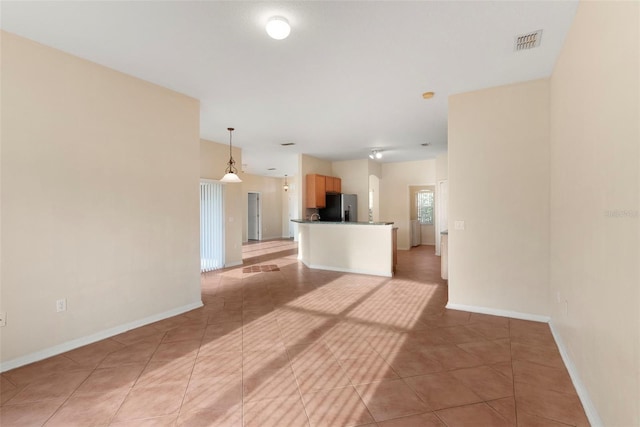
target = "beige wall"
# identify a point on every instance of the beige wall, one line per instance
(375, 175)
(99, 201)
(213, 161)
(442, 167)
(394, 193)
(499, 185)
(595, 139)
(442, 174)
(271, 196)
(355, 180)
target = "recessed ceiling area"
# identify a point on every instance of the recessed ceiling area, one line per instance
(350, 75)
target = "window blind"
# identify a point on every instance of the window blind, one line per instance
(211, 226)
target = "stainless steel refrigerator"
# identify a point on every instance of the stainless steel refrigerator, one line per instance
(340, 207)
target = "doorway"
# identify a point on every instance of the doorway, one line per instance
(253, 216)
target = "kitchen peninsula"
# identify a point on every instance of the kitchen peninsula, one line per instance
(353, 247)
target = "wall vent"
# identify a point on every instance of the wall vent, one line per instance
(528, 41)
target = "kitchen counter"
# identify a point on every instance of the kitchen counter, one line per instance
(352, 247)
(307, 221)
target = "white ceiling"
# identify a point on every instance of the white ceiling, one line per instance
(349, 78)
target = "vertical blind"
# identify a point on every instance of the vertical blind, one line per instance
(211, 226)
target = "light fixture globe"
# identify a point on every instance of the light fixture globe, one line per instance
(231, 177)
(278, 28)
(375, 154)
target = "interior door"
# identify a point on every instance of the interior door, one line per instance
(253, 218)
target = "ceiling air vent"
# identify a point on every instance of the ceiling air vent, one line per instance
(287, 144)
(528, 41)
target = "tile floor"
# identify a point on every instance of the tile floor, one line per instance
(284, 345)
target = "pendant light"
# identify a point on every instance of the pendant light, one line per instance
(286, 185)
(231, 173)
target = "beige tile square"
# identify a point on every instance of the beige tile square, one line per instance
(50, 387)
(148, 402)
(423, 420)
(269, 384)
(110, 380)
(214, 394)
(561, 407)
(479, 414)
(229, 418)
(336, 408)
(486, 382)
(275, 413)
(28, 414)
(442, 390)
(93, 409)
(321, 377)
(390, 399)
(366, 369)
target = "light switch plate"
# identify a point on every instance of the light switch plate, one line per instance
(459, 225)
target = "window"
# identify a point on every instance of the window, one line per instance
(424, 204)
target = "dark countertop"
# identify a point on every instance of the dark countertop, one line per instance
(306, 221)
(444, 232)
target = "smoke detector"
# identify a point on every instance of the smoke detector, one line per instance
(528, 41)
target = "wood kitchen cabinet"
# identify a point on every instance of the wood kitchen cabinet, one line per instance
(333, 184)
(317, 188)
(316, 191)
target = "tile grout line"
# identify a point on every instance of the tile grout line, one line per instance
(115, 414)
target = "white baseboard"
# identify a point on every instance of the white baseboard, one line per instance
(583, 394)
(79, 342)
(345, 270)
(497, 312)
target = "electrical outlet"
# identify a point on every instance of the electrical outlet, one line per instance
(61, 305)
(3, 319)
(459, 225)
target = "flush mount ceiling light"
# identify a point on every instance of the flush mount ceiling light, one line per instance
(231, 172)
(278, 28)
(285, 187)
(375, 154)
(428, 95)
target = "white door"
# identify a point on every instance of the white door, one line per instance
(253, 219)
(442, 204)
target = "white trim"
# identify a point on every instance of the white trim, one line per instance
(583, 394)
(107, 333)
(497, 312)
